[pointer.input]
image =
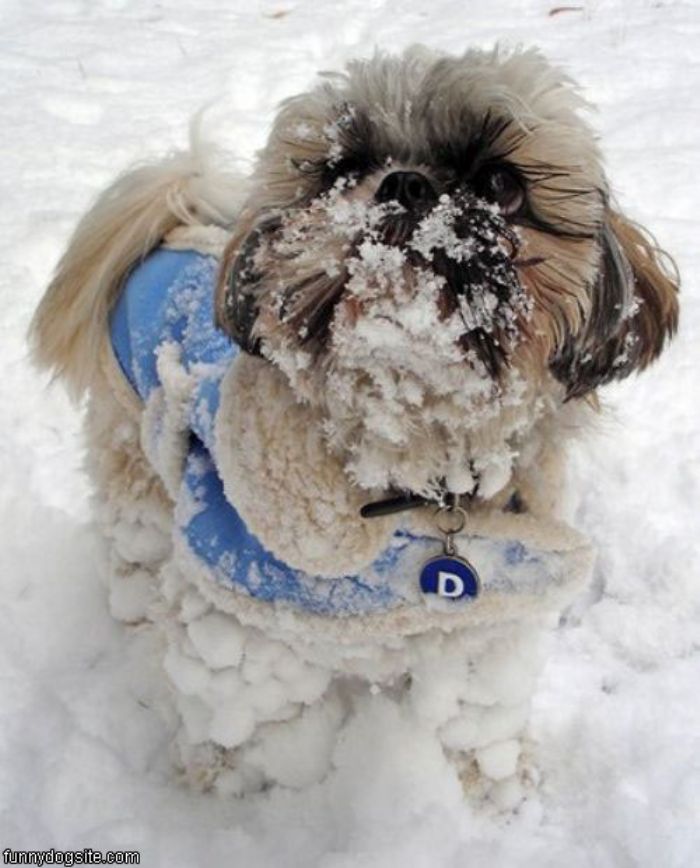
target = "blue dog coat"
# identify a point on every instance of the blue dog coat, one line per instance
(167, 300)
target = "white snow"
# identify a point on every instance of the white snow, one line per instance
(498, 761)
(84, 760)
(217, 642)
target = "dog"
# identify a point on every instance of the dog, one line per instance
(329, 406)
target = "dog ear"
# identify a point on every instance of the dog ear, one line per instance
(634, 310)
(236, 305)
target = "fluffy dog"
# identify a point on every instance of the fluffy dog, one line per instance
(410, 303)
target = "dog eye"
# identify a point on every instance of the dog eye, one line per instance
(500, 184)
(343, 168)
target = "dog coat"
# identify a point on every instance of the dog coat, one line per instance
(165, 342)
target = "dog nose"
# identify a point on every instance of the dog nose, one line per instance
(410, 189)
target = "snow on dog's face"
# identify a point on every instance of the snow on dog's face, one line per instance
(430, 257)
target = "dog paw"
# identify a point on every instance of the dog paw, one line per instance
(500, 778)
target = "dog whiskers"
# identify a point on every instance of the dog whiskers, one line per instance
(397, 230)
(530, 262)
(312, 318)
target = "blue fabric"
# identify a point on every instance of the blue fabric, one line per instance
(169, 298)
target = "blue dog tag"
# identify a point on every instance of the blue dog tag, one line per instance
(450, 577)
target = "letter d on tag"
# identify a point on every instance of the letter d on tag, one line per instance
(449, 577)
(449, 585)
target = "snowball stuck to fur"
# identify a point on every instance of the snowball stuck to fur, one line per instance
(188, 675)
(218, 640)
(233, 722)
(130, 595)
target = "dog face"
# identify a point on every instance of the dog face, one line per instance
(430, 255)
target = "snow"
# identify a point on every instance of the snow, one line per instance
(216, 642)
(498, 761)
(84, 761)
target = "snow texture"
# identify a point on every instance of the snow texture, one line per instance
(83, 748)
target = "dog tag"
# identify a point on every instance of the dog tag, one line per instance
(448, 575)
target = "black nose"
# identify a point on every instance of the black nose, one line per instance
(410, 189)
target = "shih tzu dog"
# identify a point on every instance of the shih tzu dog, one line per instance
(315, 392)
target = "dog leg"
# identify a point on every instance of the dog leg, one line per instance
(255, 711)
(475, 688)
(133, 509)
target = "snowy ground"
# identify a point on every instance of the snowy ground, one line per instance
(89, 85)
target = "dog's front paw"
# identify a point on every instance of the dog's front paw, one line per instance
(499, 778)
(293, 495)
